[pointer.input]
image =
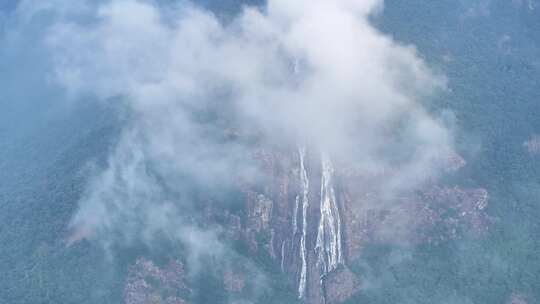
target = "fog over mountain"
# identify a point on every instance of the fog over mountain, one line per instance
(344, 151)
(301, 74)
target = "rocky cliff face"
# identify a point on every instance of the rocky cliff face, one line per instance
(148, 283)
(312, 218)
(318, 218)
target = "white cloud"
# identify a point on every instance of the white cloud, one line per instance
(357, 94)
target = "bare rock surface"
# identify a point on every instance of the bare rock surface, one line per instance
(532, 145)
(516, 298)
(341, 285)
(312, 218)
(148, 284)
(233, 281)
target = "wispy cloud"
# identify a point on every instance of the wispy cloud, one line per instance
(199, 92)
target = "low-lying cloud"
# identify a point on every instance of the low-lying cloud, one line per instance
(196, 88)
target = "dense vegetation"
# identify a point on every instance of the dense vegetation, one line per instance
(48, 142)
(489, 52)
(490, 56)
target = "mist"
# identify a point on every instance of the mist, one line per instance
(268, 151)
(201, 95)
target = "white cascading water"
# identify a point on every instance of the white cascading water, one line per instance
(328, 246)
(283, 256)
(305, 204)
(295, 215)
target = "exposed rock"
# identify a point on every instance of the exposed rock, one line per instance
(311, 218)
(258, 230)
(259, 211)
(233, 281)
(517, 299)
(340, 285)
(453, 161)
(455, 208)
(148, 284)
(533, 145)
(234, 225)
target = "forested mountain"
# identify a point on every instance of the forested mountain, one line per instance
(237, 151)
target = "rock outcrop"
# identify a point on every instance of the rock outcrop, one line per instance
(312, 218)
(532, 145)
(147, 283)
(318, 217)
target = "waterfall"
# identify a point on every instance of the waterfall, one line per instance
(295, 215)
(328, 246)
(283, 256)
(305, 204)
